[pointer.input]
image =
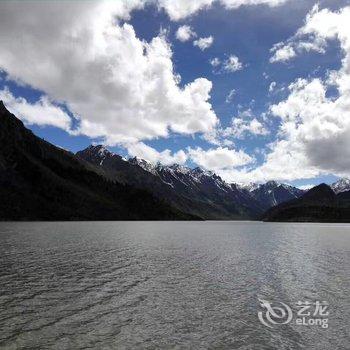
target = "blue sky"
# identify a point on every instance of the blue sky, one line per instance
(247, 32)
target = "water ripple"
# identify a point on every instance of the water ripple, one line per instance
(169, 285)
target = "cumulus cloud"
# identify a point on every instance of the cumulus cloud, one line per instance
(122, 88)
(42, 112)
(180, 9)
(241, 127)
(319, 124)
(185, 33)
(219, 158)
(304, 40)
(150, 154)
(229, 65)
(215, 61)
(284, 161)
(282, 54)
(204, 43)
(232, 64)
(214, 159)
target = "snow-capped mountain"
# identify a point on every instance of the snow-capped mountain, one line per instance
(196, 191)
(342, 185)
(273, 193)
(178, 175)
(147, 166)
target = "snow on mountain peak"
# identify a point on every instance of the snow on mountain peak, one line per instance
(272, 183)
(341, 185)
(99, 150)
(250, 187)
(199, 172)
(179, 168)
(144, 164)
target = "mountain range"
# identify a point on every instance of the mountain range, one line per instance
(319, 204)
(39, 181)
(195, 191)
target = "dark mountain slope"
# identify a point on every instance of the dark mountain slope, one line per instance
(39, 181)
(320, 204)
(273, 193)
(194, 191)
(114, 167)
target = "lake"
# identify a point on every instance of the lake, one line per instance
(174, 285)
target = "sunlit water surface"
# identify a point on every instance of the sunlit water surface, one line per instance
(170, 285)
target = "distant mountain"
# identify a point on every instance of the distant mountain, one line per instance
(39, 181)
(195, 191)
(320, 204)
(342, 185)
(273, 193)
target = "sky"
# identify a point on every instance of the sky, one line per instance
(254, 90)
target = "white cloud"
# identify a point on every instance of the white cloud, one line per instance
(272, 86)
(306, 187)
(180, 9)
(123, 89)
(148, 153)
(219, 158)
(185, 33)
(229, 65)
(217, 138)
(283, 54)
(230, 96)
(215, 61)
(241, 127)
(318, 45)
(204, 43)
(304, 39)
(284, 162)
(42, 112)
(232, 4)
(232, 64)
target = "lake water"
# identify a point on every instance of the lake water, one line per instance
(171, 285)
